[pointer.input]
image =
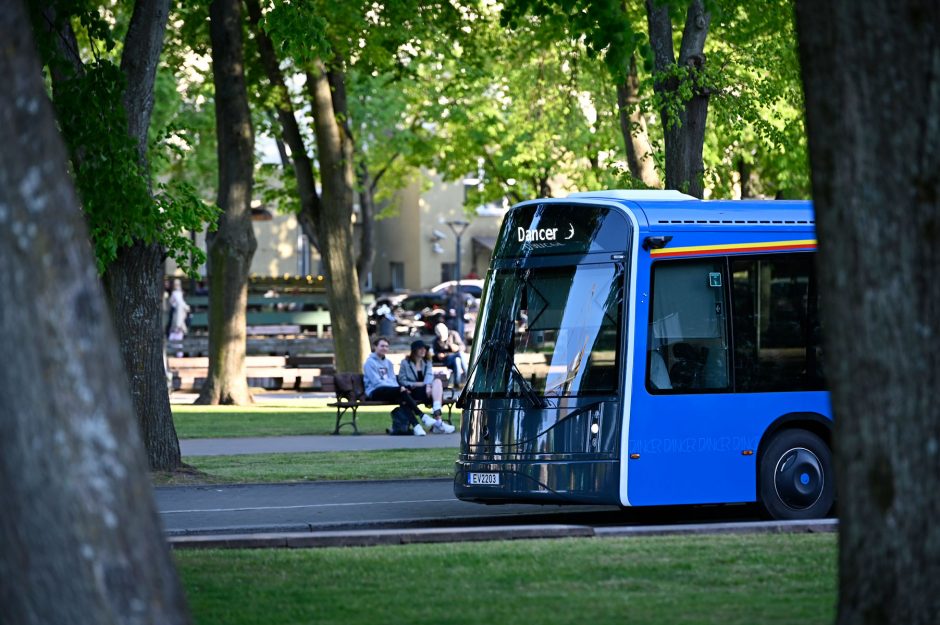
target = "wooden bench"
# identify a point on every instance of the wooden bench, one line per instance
(192, 373)
(351, 395)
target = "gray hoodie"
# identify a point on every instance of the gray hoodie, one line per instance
(378, 372)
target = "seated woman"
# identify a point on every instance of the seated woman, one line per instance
(381, 383)
(416, 376)
(448, 351)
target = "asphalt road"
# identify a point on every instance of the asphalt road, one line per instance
(341, 505)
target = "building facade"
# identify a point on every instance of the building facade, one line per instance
(416, 247)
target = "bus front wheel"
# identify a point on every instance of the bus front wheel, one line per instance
(795, 478)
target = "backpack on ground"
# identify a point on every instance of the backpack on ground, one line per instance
(400, 422)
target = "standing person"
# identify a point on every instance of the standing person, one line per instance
(381, 383)
(448, 351)
(415, 374)
(178, 311)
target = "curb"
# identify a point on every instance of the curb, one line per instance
(371, 538)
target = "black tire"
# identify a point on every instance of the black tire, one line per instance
(795, 478)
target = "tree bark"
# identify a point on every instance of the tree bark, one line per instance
(633, 128)
(133, 281)
(234, 243)
(290, 130)
(142, 46)
(80, 539)
(367, 223)
(334, 223)
(871, 74)
(684, 132)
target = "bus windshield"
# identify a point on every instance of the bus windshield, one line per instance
(549, 332)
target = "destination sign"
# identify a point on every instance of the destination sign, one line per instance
(549, 229)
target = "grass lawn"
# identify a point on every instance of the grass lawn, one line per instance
(725, 580)
(389, 464)
(272, 419)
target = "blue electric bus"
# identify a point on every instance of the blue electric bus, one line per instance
(645, 348)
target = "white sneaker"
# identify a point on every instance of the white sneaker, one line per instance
(419, 431)
(427, 420)
(442, 428)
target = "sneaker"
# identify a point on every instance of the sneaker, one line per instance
(427, 421)
(436, 414)
(442, 428)
(419, 431)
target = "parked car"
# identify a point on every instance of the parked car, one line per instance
(473, 287)
(411, 314)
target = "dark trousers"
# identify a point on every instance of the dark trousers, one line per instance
(395, 394)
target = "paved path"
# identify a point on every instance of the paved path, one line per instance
(300, 444)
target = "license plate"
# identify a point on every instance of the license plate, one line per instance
(485, 479)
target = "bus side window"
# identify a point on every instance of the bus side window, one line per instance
(688, 344)
(775, 324)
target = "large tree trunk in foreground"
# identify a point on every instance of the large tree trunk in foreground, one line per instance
(871, 73)
(685, 132)
(234, 243)
(80, 541)
(334, 226)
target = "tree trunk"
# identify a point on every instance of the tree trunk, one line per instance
(234, 243)
(133, 284)
(744, 177)
(133, 281)
(136, 275)
(633, 128)
(684, 132)
(871, 74)
(334, 226)
(367, 223)
(290, 130)
(139, 60)
(80, 540)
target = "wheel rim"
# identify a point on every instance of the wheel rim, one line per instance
(799, 478)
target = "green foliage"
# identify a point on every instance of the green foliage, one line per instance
(610, 31)
(756, 107)
(527, 113)
(111, 176)
(104, 158)
(182, 211)
(751, 76)
(299, 27)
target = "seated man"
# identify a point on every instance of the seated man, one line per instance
(448, 351)
(382, 385)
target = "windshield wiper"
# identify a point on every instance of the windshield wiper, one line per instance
(484, 350)
(527, 389)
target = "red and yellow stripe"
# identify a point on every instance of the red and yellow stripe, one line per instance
(734, 248)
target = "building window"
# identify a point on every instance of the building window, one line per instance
(397, 271)
(448, 272)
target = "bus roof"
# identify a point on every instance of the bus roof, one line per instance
(669, 209)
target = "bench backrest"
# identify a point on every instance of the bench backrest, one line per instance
(350, 386)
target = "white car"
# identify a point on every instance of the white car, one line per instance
(472, 287)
